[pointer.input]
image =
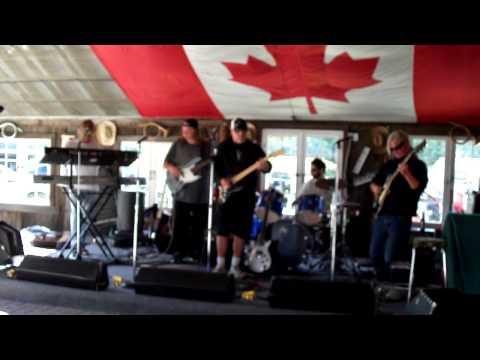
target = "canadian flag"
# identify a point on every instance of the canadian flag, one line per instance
(374, 83)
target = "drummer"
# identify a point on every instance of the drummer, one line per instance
(318, 186)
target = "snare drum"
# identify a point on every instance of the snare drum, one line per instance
(311, 209)
(276, 208)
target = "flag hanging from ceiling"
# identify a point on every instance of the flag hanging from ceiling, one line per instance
(373, 83)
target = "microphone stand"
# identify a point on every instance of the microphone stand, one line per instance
(78, 199)
(210, 201)
(137, 209)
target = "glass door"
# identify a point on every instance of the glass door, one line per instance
(285, 168)
(301, 147)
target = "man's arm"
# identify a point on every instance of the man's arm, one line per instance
(377, 183)
(412, 181)
(263, 165)
(376, 190)
(169, 162)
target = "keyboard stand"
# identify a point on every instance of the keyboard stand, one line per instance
(89, 221)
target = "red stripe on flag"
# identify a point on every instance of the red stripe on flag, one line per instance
(447, 83)
(158, 79)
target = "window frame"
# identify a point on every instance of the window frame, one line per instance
(50, 209)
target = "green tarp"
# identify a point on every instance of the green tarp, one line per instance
(462, 233)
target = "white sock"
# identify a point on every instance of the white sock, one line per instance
(220, 262)
(235, 262)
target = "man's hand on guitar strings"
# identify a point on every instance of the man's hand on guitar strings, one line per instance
(262, 165)
(226, 183)
(174, 171)
(404, 169)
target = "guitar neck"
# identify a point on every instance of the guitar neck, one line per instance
(239, 177)
(201, 165)
(406, 160)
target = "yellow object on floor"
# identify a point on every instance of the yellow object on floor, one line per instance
(249, 295)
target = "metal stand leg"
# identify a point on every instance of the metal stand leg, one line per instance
(96, 209)
(412, 272)
(137, 211)
(210, 218)
(444, 261)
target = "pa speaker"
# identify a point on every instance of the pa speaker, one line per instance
(92, 275)
(126, 211)
(303, 293)
(184, 282)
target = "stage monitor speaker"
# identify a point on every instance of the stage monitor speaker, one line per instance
(91, 275)
(314, 294)
(183, 281)
(444, 302)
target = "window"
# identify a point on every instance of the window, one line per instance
(466, 174)
(19, 161)
(431, 201)
(292, 170)
(151, 162)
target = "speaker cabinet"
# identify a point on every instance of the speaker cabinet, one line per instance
(189, 282)
(313, 294)
(91, 275)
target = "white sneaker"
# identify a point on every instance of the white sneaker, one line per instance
(237, 274)
(219, 269)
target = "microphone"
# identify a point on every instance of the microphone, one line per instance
(348, 138)
(143, 139)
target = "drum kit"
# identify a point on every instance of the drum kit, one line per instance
(293, 238)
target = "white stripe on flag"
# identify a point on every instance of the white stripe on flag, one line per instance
(389, 100)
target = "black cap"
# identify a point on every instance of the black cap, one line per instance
(1, 108)
(239, 124)
(191, 123)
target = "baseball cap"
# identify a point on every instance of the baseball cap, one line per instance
(191, 123)
(238, 124)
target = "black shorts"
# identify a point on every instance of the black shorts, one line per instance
(235, 217)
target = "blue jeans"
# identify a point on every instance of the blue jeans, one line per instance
(388, 233)
(87, 200)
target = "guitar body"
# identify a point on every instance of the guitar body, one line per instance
(258, 257)
(223, 194)
(189, 175)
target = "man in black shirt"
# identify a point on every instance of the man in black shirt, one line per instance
(191, 201)
(236, 214)
(393, 223)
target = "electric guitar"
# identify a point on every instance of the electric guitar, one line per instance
(386, 187)
(225, 194)
(188, 175)
(258, 257)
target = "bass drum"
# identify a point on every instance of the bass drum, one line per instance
(290, 243)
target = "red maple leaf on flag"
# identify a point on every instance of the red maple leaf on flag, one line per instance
(301, 71)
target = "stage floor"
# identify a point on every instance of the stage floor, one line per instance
(28, 298)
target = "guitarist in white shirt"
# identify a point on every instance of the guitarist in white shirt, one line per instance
(236, 214)
(394, 217)
(190, 213)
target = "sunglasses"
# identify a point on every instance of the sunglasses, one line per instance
(398, 147)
